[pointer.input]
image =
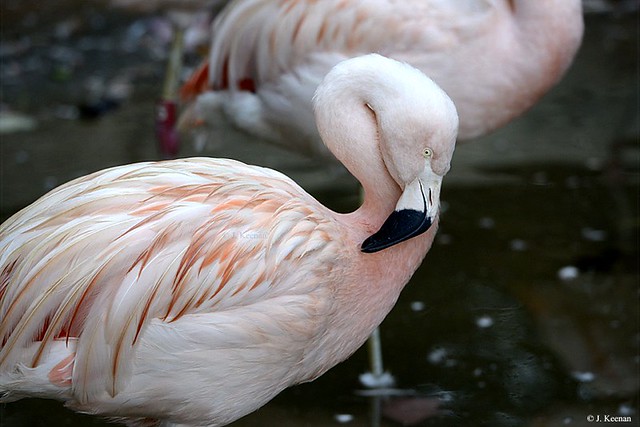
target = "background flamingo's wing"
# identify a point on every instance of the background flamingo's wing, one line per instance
(256, 41)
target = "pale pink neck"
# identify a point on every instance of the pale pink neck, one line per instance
(350, 131)
(375, 281)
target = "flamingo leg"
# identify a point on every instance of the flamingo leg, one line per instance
(379, 378)
(374, 345)
(166, 109)
(174, 65)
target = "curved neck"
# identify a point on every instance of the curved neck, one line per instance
(350, 131)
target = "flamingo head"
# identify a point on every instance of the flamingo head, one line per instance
(417, 127)
(395, 130)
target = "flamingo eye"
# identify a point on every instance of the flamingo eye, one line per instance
(427, 153)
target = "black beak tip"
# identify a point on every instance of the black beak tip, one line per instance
(369, 246)
(399, 226)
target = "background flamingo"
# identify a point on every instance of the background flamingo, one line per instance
(495, 59)
(193, 291)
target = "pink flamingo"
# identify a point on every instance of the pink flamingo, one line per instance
(193, 291)
(494, 58)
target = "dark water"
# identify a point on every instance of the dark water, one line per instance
(525, 312)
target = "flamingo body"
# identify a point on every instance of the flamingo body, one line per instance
(176, 249)
(193, 291)
(494, 58)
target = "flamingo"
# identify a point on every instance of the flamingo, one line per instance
(192, 291)
(494, 58)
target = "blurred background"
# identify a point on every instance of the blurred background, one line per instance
(525, 311)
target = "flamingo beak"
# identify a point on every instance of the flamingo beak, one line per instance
(414, 213)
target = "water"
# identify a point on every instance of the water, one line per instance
(525, 312)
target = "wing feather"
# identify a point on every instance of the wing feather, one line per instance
(95, 261)
(261, 40)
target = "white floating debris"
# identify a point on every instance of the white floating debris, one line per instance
(583, 377)
(437, 356)
(569, 272)
(66, 112)
(567, 420)
(594, 163)
(450, 363)
(371, 380)
(626, 409)
(484, 321)
(540, 178)
(50, 182)
(446, 396)
(65, 29)
(444, 239)
(593, 235)
(343, 418)
(21, 157)
(572, 182)
(518, 245)
(486, 223)
(11, 122)
(417, 306)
